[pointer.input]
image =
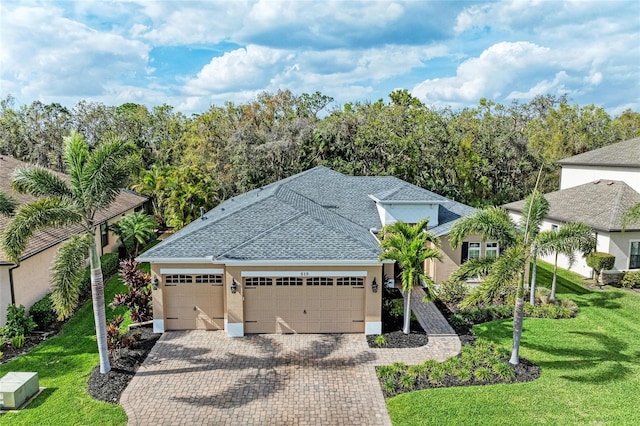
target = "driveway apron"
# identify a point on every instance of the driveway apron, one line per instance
(204, 377)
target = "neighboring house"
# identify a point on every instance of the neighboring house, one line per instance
(28, 282)
(597, 188)
(296, 256)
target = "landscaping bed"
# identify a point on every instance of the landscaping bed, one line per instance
(392, 322)
(108, 387)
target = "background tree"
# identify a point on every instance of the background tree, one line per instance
(410, 246)
(95, 179)
(631, 216)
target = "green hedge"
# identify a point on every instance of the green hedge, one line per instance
(43, 313)
(631, 279)
(600, 261)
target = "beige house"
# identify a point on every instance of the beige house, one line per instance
(28, 282)
(597, 188)
(297, 256)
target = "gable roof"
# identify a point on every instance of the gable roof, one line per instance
(44, 239)
(621, 154)
(600, 204)
(316, 215)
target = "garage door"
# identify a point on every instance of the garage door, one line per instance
(193, 302)
(304, 305)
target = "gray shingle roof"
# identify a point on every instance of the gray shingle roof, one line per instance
(621, 154)
(318, 214)
(600, 204)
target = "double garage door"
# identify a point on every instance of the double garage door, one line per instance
(193, 302)
(304, 304)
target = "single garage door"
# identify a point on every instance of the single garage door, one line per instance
(304, 305)
(193, 302)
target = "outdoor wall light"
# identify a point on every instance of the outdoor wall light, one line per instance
(155, 283)
(234, 286)
(374, 285)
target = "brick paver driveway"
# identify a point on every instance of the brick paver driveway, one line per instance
(204, 377)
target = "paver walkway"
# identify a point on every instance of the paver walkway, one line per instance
(429, 316)
(206, 378)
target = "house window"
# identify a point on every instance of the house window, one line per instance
(289, 281)
(350, 281)
(634, 255)
(491, 250)
(104, 234)
(258, 281)
(178, 279)
(209, 279)
(474, 251)
(326, 281)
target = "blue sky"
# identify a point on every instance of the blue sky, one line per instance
(194, 54)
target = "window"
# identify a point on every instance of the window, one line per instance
(634, 255)
(350, 281)
(289, 281)
(178, 279)
(474, 251)
(258, 281)
(104, 234)
(491, 250)
(209, 279)
(320, 281)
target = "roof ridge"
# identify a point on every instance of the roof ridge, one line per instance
(255, 237)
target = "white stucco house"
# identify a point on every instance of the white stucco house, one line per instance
(597, 188)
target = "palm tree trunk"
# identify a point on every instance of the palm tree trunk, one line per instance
(99, 315)
(518, 316)
(532, 295)
(552, 297)
(407, 312)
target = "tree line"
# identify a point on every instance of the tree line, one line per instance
(486, 155)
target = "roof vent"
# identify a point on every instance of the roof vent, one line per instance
(610, 183)
(202, 216)
(595, 182)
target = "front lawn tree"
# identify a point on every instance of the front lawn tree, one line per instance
(95, 178)
(508, 270)
(410, 246)
(134, 231)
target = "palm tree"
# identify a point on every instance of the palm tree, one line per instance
(567, 240)
(410, 246)
(507, 270)
(7, 204)
(134, 230)
(95, 181)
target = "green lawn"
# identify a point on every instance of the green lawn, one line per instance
(63, 364)
(590, 369)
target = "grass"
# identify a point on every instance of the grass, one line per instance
(590, 368)
(64, 363)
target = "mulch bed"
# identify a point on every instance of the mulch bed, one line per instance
(108, 387)
(30, 342)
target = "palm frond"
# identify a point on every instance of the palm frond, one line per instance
(39, 182)
(106, 171)
(478, 267)
(7, 204)
(45, 212)
(76, 152)
(534, 211)
(66, 273)
(493, 223)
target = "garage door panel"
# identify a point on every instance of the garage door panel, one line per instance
(194, 306)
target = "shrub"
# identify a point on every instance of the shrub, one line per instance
(116, 339)
(43, 313)
(563, 310)
(542, 295)
(631, 279)
(600, 261)
(437, 375)
(109, 263)
(18, 322)
(390, 386)
(418, 371)
(385, 372)
(453, 292)
(380, 340)
(139, 298)
(483, 374)
(17, 341)
(407, 381)
(463, 374)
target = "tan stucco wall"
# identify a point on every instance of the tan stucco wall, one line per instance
(441, 271)
(234, 303)
(5, 292)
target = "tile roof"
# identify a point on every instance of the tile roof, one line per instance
(318, 214)
(50, 237)
(600, 204)
(621, 154)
